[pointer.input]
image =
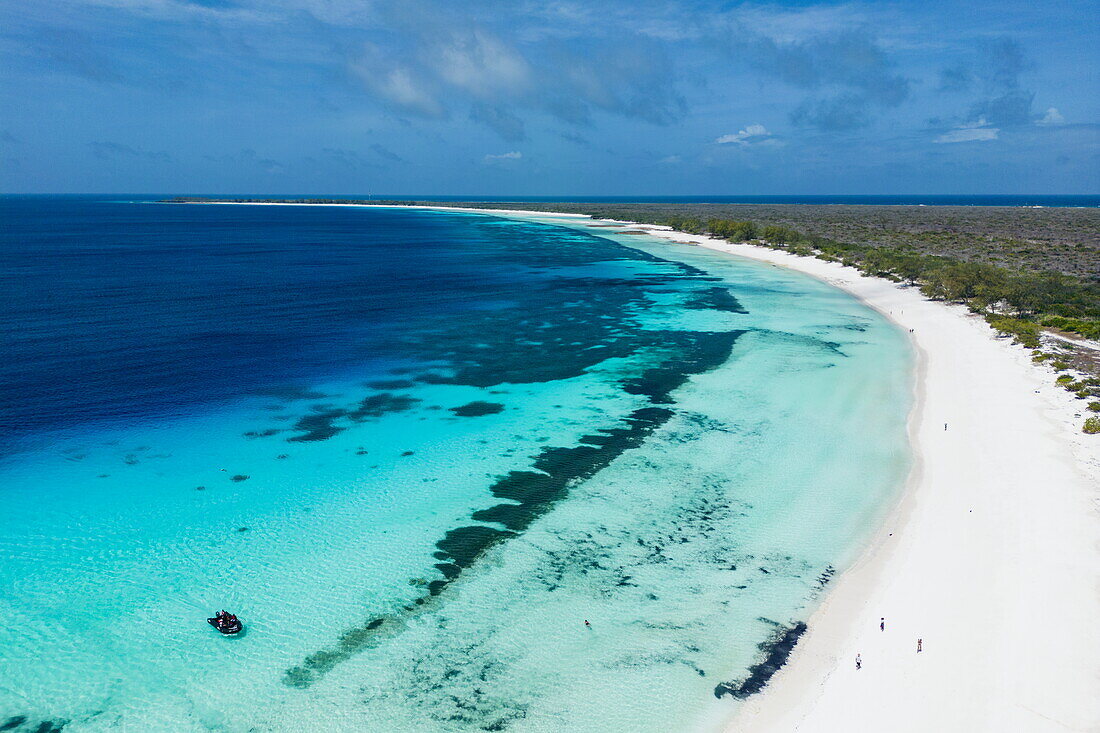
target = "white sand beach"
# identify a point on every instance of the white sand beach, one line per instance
(991, 558)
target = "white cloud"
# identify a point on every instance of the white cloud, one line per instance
(400, 85)
(745, 136)
(514, 155)
(1052, 117)
(975, 132)
(670, 160)
(795, 25)
(481, 64)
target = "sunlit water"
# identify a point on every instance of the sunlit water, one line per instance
(415, 452)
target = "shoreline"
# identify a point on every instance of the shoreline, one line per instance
(940, 578)
(912, 570)
(989, 553)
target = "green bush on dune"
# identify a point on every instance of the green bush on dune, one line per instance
(1088, 329)
(1023, 332)
(1092, 425)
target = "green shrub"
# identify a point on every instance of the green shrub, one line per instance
(1023, 332)
(1092, 425)
(1083, 394)
(1064, 379)
(1086, 327)
(1060, 366)
(736, 231)
(779, 235)
(1039, 357)
(1094, 406)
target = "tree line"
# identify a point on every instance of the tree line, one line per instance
(1014, 302)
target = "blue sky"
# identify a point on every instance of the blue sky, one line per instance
(526, 98)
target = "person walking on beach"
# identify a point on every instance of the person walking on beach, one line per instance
(919, 643)
(882, 624)
(859, 662)
(587, 624)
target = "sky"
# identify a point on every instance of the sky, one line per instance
(604, 97)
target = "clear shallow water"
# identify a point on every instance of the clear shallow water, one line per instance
(462, 437)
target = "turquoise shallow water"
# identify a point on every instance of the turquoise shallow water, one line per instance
(689, 496)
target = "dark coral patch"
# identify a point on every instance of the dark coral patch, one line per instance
(20, 722)
(318, 425)
(717, 298)
(322, 661)
(776, 650)
(239, 477)
(463, 545)
(382, 404)
(477, 409)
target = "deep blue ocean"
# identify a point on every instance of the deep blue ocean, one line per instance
(115, 311)
(415, 451)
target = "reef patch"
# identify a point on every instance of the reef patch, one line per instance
(477, 409)
(777, 650)
(320, 423)
(531, 493)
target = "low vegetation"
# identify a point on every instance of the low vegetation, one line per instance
(1092, 425)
